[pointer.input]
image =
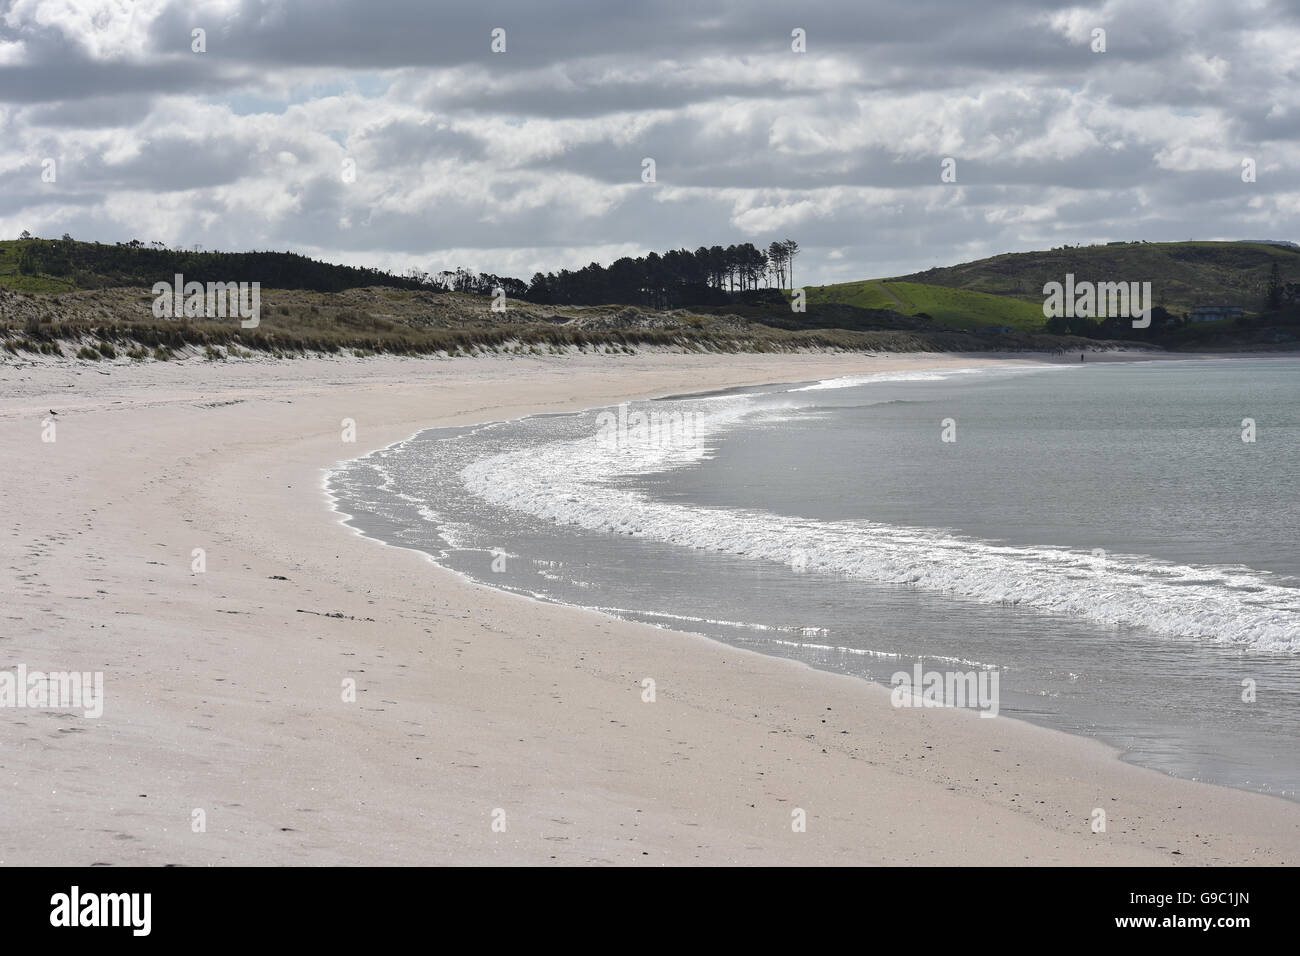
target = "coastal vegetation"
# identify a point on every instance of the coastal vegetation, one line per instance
(94, 297)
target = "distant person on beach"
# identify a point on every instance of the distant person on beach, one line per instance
(1080, 356)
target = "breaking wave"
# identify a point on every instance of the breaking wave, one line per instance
(575, 482)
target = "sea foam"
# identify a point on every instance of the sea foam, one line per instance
(575, 482)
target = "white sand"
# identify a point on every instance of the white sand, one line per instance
(224, 696)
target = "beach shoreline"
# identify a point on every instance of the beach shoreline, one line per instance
(225, 688)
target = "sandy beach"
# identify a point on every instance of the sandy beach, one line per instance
(224, 690)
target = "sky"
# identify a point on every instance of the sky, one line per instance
(390, 133)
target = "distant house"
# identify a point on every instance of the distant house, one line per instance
(1211, 313)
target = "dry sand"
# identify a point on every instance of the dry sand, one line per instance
(224, 688)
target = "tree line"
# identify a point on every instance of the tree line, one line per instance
(709, 275)
(678, 277)
(90, 265)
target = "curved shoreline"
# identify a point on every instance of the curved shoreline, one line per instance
(223, 688)
(434, 546)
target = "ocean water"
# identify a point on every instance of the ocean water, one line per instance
(1098, 536)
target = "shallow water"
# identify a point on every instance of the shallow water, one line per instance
(1099, 536)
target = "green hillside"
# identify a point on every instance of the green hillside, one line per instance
(958, 308)
(1182, 274)
(1007, 289)
(867, 294)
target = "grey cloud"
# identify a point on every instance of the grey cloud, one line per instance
(576, 70)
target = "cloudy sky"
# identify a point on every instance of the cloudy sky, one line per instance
(532, 158)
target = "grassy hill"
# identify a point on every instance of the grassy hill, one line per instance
(957, 308)
(1007, 289)
(1182, 274)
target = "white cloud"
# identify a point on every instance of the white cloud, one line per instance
(532, 159)
(105, 29)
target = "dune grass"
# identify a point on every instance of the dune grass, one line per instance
(165, 340)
